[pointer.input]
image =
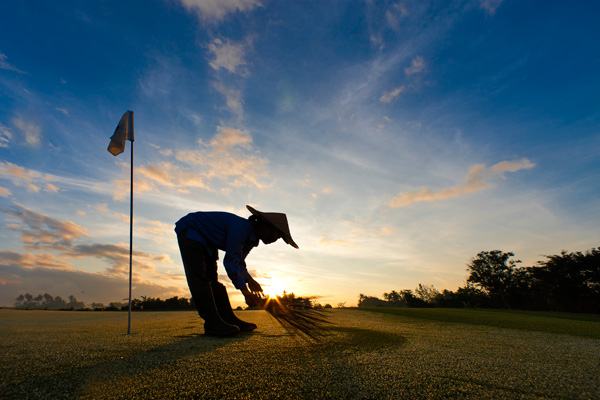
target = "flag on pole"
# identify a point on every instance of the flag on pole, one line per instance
(116, 146)
(123, 132)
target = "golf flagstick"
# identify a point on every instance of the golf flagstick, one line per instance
(116, 146)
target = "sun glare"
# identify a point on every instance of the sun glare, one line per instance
(275, 288)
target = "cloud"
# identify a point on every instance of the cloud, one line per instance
(336, 242)
(416, 66)
(490, 6)
(39, 231)
(233, 99)
(5, 136)
(214, 11)
(168, 174)
(30, 179)
(32, 132)
(228, 55)
(4, 192)
(474, 182)
(387, 97)
(229, 156)
(118, 257)
(33, 260)
(88, 287)
(5, 65)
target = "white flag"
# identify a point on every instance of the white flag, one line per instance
(123, 132)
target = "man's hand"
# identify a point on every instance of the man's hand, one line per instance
(255, 287)
(251, 299)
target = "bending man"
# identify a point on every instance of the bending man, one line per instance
(200, 235)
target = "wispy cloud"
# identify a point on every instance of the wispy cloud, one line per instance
(32, 131)
(475, 181)
(4, 192)
(34, 181)
(416, 66)
(5, 65)
(5, 136)
(387, 97)
(233, 99)
(228, 55)
(490, 6)
(39, 231)
(214, 11)
(33, 260)
(230, 156)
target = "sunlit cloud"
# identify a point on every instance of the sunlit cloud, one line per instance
(228, 55)
(117, 256)
(168, 174)
(32, 180)
(31, 131)
(33, 260)
(39, 231)
(229, 156)
(474, 182)
(214, 11)
(4, 192)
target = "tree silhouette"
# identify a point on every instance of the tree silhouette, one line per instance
(494, 273)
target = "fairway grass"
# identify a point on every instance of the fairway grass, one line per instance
(582, 325)
(87, 355)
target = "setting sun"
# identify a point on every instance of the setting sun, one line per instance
(275, 288)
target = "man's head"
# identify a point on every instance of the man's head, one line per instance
(272, 226)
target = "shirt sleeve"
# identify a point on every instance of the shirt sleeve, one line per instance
(234, 262)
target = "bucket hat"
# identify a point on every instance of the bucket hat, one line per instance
(278, 221)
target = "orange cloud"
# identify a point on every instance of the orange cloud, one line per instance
(474, 182)
(31, 260)
(41, 231)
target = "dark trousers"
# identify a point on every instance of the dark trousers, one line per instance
(200, 267)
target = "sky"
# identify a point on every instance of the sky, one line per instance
(401, 138)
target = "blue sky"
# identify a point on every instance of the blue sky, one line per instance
(400, 137)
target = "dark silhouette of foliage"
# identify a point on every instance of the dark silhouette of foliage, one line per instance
(494, 273)
(569, 282)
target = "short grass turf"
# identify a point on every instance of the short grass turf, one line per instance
(87, 355)
(583, 325)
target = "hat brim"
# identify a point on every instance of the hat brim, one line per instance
(278, 221)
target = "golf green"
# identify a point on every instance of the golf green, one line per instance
(87, 355)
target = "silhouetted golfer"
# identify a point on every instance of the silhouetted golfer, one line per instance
(200, 235)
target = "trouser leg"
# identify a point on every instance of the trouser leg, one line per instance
(195, 259)
(225, 310)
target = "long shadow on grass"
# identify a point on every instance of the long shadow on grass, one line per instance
(71, 384)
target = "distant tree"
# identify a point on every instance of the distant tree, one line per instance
(48, 299)
(341, 305)
(567, 282)
(493, 272)
(39, 300)
(393, 297)
(369, 301)
(427, 293)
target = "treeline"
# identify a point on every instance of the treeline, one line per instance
(568, 282)
(48, 302)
